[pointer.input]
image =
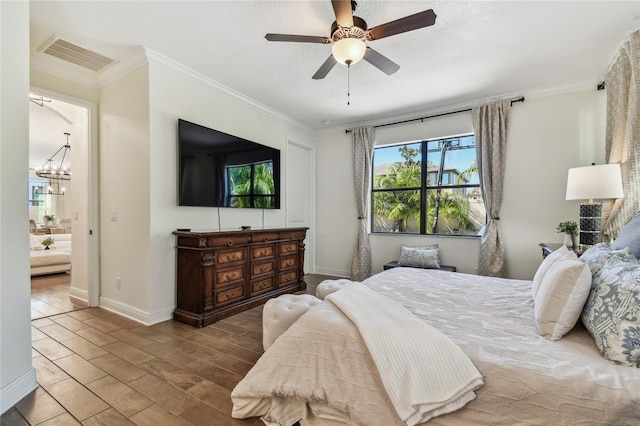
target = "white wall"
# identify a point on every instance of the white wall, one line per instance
(178, 95)
(17, 377)
(124, 195)
(547, 135)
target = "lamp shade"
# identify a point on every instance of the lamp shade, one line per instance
(594, 182)
(348, 49)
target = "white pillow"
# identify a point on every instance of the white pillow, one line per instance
(562, 294)
(547, 263)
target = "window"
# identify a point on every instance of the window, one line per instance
(251, 185)
(427, 187)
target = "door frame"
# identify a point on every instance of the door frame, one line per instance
(310, 249)
(93, 215)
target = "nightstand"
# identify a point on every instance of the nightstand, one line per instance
(547, 248)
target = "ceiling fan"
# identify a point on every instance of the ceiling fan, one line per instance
(349, 33)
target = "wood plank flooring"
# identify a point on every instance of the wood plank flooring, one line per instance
(97, 368)
(50, 295)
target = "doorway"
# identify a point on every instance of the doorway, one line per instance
(60, 190)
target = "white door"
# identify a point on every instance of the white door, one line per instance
(301, 196)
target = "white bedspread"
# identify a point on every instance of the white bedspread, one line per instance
(424, 373)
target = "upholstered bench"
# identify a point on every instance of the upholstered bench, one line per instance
(395, 264)
(327, 287)
(278, 314)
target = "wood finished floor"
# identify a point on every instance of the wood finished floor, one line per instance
(94, 367)
(50, 295)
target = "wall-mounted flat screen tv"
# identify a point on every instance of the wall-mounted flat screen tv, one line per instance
(220, 170)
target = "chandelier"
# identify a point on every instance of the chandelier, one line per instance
(49, 171)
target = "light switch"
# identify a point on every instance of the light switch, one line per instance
(114, 215)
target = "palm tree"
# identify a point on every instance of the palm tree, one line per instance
(404, 205)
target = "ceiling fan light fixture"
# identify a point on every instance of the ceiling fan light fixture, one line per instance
(348, 50)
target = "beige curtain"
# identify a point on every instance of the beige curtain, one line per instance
(622, 143)
(362, 153)
(490, 128)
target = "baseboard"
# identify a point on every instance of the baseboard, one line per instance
(136, 314)
(79, 296)
(334, 272)
(12, 393)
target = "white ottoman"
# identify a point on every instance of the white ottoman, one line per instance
(279, 313)
(327, 287)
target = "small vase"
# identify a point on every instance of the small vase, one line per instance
(568, 240)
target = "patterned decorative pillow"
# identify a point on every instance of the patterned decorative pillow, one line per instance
(596, 256)
(612, 312)
(420, 257)
(629, 237)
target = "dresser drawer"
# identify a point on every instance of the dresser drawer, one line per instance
(261, 286)
(292, 235)
(288, 277)
(231, 255)
(289, 247)
(288, 262)
(263, 238)
(262, 268)
(228, 240)
(229, 295)
(229, 276)
(263, 251)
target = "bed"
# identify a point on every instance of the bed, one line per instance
(528, 379)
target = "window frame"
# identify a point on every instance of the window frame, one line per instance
(252, 197)
(424, 187)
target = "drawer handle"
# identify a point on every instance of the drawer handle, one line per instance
(264, 268)
(289, 249)
(293, 237)
(229, 243)
(231, 258)
(266, 239)
(229, 277)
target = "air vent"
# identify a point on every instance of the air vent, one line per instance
(75, 54)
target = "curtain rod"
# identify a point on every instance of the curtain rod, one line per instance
(521, 99)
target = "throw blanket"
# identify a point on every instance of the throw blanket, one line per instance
(321, 366)
(424, 373)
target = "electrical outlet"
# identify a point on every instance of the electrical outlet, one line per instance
(118, 283)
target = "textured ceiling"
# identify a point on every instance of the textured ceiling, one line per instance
(476, 50)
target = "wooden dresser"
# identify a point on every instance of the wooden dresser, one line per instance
(222, 273)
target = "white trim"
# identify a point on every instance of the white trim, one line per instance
(79, 294)
(136, 314)
(93, 257)
(194, 77)
(527, 94)
(333, 272)
(13, 392)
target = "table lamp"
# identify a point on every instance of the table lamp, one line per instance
(593, 183)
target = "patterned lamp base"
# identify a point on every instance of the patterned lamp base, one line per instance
(590, 222)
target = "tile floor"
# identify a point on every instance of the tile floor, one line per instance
(97, 368)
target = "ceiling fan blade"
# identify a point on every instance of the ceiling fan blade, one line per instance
(325, 68)
(344, 14)
(381, 62)
(298, 38)
(402, 25)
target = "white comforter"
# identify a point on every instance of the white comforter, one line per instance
(380, 367)
(424, 373)
(529, 380)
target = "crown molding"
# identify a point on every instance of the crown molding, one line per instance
(142, 56)
(63, 69)
(181, 71)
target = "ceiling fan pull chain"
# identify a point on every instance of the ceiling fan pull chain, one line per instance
(348, 81)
